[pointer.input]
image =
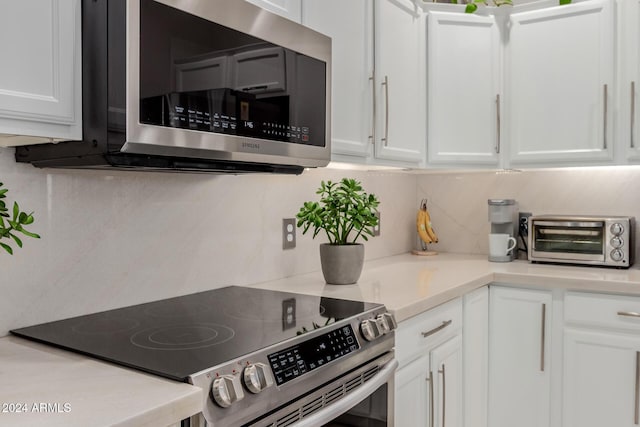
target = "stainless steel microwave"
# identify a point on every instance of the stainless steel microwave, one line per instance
(591, 240)
(204, 85)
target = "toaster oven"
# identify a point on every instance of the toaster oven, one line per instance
(590, 240)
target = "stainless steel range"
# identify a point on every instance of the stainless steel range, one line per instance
(265, 358)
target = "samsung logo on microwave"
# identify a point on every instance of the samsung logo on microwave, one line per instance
(251, 145)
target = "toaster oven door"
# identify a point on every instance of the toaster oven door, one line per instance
(569, 240)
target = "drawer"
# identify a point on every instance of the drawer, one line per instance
(419, 334)
(603, 310)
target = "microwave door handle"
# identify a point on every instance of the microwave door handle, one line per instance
(343, 405)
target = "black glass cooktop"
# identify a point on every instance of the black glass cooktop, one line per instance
(180, 336)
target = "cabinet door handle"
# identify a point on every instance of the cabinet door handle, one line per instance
(605, 116)
(444, 395)
(385, 83)
(498, 124)
(628, 313)
(633, 113)
(430, 381)
(372, 137)
(543, 336)
(437, 329)
(636, 415)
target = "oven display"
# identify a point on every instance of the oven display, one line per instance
(309, 355)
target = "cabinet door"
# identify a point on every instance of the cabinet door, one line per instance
(400, 81)
(463, 60)
(559, 74)
(475, 333)
(349, 24)
(412, 394)
(40, 84)
(629, 90)
(446, 371)
(601, 379)
(519, 362)
(290, 9)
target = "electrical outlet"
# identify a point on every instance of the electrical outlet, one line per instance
(523, 224)
(288, 233)
(376, 229)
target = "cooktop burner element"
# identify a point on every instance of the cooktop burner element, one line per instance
(180, 336)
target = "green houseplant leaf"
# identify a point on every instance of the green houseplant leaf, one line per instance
(9, 224)
(345, 212)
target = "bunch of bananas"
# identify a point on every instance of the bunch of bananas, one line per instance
(423, 223)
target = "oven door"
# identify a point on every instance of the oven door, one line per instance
(569, 240)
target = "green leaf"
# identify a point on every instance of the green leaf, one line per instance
(471, 7)
(16, 239)
(7, 248)
(26, 233)
(16, 211)
(565, 2)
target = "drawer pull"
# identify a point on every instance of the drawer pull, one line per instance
(438, 329)
(628, 313)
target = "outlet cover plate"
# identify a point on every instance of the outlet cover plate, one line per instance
(288, 233)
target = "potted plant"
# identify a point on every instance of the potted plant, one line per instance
(12, 223)
(345, 213)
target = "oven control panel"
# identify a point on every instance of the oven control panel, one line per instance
(295, 361)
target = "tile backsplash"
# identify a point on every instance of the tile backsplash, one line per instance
(111, 239)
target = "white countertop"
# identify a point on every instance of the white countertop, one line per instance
(43, 386)
(408, 284)
(82, 391)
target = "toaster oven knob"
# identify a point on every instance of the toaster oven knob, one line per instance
(257, 377)
(617, 242)
(616, 228)
(370, 330)
(226, 390)
(617, 255)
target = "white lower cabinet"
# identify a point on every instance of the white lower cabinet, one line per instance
(519, 357)
(602, 361)
(429, 383)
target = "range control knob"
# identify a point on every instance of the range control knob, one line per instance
(617, 228)
(386, 323)
(617, 242)
(226, 390)
(370, 330)
(257, 377)
(617, 255)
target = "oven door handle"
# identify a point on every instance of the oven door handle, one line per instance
(341, 406)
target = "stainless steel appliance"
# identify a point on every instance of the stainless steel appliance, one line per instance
(210, 85)
(592, 240)
(265, 358)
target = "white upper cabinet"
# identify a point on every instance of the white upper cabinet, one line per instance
(559, 70)
(350, 26)
(400, 82)
(40, 75)
(290, 9)
(463, 69)
(629, 67)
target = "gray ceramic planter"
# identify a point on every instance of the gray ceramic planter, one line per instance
(341, 264)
